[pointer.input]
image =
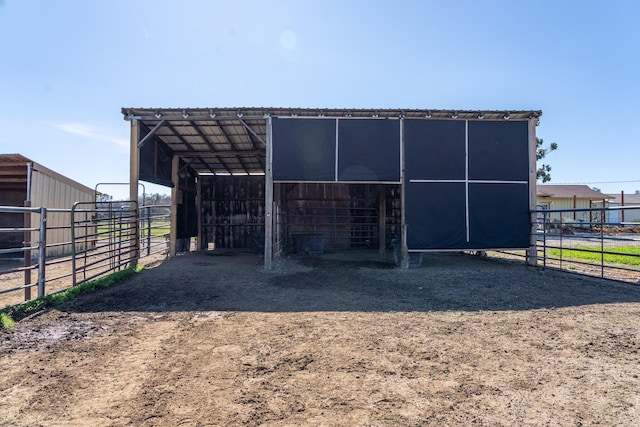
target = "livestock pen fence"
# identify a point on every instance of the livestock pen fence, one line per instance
(589, 241)
(84, 242)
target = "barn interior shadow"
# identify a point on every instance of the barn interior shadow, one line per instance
(364, 282)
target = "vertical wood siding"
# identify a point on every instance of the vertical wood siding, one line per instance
(233, 212)
(346, 215)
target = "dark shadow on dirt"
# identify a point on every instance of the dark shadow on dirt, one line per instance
(349, 282)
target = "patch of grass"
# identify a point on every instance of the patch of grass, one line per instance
(6, 321)
(10, 315)
(625, 255)
(157, 228)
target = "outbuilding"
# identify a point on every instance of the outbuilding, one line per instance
(294, 179)
(23, 181)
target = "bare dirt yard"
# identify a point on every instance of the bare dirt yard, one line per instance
(341, 339)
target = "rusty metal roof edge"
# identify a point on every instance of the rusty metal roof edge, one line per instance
(19, 159)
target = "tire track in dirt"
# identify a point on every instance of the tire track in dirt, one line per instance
(215, 341)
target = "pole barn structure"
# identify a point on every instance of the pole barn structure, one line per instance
(275, 179)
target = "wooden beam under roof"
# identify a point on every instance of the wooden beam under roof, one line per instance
(226, 153)
(233, 145)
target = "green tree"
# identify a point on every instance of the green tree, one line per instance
(104, 197)
(155, 199)
(543, 173)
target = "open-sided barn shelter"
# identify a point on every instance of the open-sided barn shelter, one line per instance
(275, 179)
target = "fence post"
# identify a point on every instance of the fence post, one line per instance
(602, 242)
(135, 211)
(149, 231)
(544, 239)
(27, 253)
(42, 252)
(73, 243)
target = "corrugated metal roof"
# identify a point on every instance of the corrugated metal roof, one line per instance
(13, 173)
(569, 191)
(231, 140)
(629, 199)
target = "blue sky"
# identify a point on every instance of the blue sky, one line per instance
(68, 67)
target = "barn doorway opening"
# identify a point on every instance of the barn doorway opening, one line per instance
(309, 217)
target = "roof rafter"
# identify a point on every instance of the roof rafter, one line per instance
(233, 145)
(192, 150)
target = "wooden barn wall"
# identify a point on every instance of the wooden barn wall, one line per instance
(346, 215)
(51, 193)
(233, 212)
(394, 211)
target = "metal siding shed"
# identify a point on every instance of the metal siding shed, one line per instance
(23, 180)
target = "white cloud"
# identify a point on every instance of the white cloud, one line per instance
(89, 132)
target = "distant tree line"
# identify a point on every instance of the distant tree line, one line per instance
(143, 199)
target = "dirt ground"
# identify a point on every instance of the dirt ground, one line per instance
(342, 339)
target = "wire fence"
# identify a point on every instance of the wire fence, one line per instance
(43, 251)
(51, 250)
(602, 242)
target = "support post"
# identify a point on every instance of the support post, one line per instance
(134, 161)
(268, 217)
(199, 208)
(382, 218)
(404, 260)
(27, 253)
(175, 179)
(42, 252)
(532, 252)
(134, 176)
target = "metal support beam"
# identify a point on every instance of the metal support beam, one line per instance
(152, 132)
(203, 136)
(268, 217)
(175, 179)
(404, 260)
(226, 153)
(532, 252)
(199, 211)
(190, 118)
(254, 132)
(134, 160)
(228, 138)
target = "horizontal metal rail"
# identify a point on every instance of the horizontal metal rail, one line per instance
(602, 246)
(91, 239)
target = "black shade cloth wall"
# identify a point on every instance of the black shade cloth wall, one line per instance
(466, 181)
(468, 184)
(311, 150)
